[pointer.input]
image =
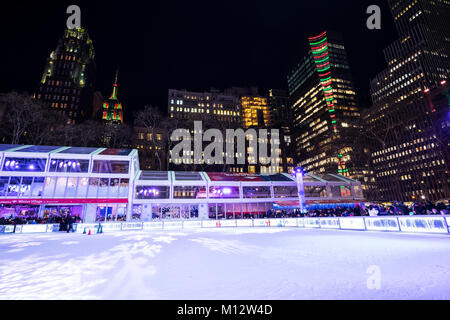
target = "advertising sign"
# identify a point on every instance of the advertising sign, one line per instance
(228, 223)
(312, 222)
(329, 223)
(62, 201)
(8, 229)
(355, 223)
(34, 228)
(85, 227)
(276, 223)
(192, 224)
(50, 227)
(423, 224)
(173, 225)
(114, 226)
(382, 224)
(301, 222)
(290, 222)
(132, 226)
(244, 223)
(218, 176)
(261, 223)
(156, 225)
(211, 224)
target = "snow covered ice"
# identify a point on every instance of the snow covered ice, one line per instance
(246, 263)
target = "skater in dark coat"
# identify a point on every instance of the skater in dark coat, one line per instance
(70, 222)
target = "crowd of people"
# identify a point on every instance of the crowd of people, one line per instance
(65, 222)
(397, 208)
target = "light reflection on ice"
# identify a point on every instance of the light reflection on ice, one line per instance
(224, 246)
(112, 273)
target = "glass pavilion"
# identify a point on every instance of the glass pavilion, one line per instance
(99, 184)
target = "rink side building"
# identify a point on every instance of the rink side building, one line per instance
(101, 184)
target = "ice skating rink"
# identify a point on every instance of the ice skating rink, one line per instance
(225, 264)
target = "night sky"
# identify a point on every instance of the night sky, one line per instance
(191, 45)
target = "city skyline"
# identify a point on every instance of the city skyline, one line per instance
(269, 39)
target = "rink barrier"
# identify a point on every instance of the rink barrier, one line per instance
(409, 224)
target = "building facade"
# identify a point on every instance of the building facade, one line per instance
(235, 108)
(50, 180)
(67, 84)
(152, 147)
(408, 159)
(213, 107)
(326, 116)
(278, 102)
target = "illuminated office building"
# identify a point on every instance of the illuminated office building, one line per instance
(407, 156)
(213, 106)
(278, 101)
(112, 111)
(255, 112)
(67, 84)
(326, 116)
(152, 146)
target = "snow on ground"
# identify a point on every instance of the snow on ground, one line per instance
(246, 263)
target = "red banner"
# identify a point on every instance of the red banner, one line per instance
(234, 177)
(61, 201)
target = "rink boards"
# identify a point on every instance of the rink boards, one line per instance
(410, 224)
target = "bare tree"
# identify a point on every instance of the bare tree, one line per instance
(155, 123)
(88, 134)
(118, 136)
(20, 112)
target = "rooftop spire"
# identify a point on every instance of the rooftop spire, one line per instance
(117, 77)
(115, 86)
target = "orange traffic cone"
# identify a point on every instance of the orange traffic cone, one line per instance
(89, 232)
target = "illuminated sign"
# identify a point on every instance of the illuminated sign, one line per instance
(62, 201)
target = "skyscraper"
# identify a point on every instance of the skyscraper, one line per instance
(407, 157)
(112, 108)
(326, 117)
(67, 84)
(278, 101)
